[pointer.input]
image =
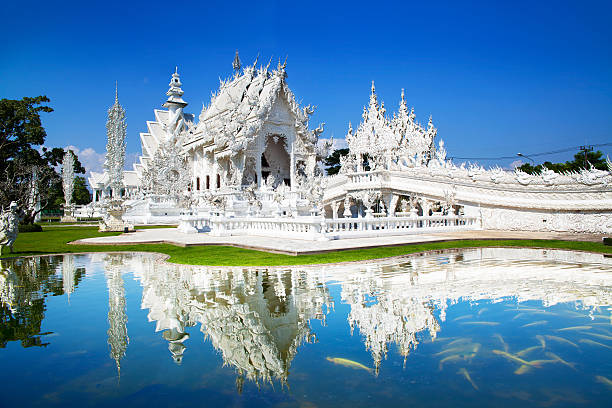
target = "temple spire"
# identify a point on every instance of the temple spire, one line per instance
(116, 93)
(236, 64)
(175, 93)
(373, 98)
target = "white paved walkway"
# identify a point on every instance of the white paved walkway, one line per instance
(296, 246)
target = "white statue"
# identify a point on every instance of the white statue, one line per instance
(9, 226)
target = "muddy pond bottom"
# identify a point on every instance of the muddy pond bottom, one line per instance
(481, 327)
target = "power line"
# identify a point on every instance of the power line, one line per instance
(567, 149)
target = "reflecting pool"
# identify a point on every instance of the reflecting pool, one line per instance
(478, 327)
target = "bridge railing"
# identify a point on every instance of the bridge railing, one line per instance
(319, 228)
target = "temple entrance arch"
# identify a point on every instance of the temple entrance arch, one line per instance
(275, 161)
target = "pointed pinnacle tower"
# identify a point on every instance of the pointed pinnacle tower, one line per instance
(175, 93)
(373, 98)
(236, 63)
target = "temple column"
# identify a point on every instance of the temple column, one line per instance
(292, 169)
(215, 170)
(390, 201)
(426, 206)
(258, 168)
(334, 206)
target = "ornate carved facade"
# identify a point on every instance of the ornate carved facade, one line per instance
(251, 156)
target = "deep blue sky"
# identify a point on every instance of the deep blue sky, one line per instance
(498, 78)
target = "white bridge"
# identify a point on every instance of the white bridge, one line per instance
(319, 228)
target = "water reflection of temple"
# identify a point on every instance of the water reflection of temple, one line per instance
(395, 302)
(117, 314)
(256, 318)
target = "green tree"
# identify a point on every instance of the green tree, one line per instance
(81, 195)
(333, 161)
(581, 161)
(27, 171)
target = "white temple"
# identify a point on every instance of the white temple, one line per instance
(250, 164)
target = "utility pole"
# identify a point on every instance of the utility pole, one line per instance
(586, 149)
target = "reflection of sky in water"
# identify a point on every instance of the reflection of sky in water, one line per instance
(472, 327)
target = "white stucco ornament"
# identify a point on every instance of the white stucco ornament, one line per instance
(68, 177)
(250, 163)
(9, 226)
(115, 145)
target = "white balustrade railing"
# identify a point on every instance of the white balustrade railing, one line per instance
(193, 223)
(319, 228)
(347, 227)
(366, 177)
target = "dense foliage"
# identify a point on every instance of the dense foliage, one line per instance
(333, 161)
(30, 228)
(28, 170)
(581, 161)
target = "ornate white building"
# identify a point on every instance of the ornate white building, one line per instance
(249, 165)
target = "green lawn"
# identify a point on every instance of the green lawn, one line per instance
(55, 240)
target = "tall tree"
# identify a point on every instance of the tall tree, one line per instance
(27, 169)
(81, 194)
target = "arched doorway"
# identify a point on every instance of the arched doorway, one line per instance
(275, 161)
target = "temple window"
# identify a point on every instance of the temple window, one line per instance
(208, 182)
(198, 183)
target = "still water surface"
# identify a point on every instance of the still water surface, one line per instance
(486, 327)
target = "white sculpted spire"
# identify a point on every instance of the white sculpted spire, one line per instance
(175, 104)
(115, 145)
(175, 93)
(68, 177)
(117, 315)
(236, 63)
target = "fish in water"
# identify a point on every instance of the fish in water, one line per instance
(528, 350)
(454, 357)
(501, 340)
(460, 341)
(593, 343)
(482, 323)
(573, 328)
(461, 349)
(469, 316)
(348, 363)
(514, 358)
(528, 309)
(600, 336)
(481, 311)
(559, 359)
(541, 340)
(466, 375)
(538, 323)
(562, 340)
(519, 315)
(522, 369)
(452, 350)
(604, 380)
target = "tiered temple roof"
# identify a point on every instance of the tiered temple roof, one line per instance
(242, 105)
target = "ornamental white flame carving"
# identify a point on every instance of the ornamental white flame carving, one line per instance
(251, 150)
(115, 146)
(68, 177)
